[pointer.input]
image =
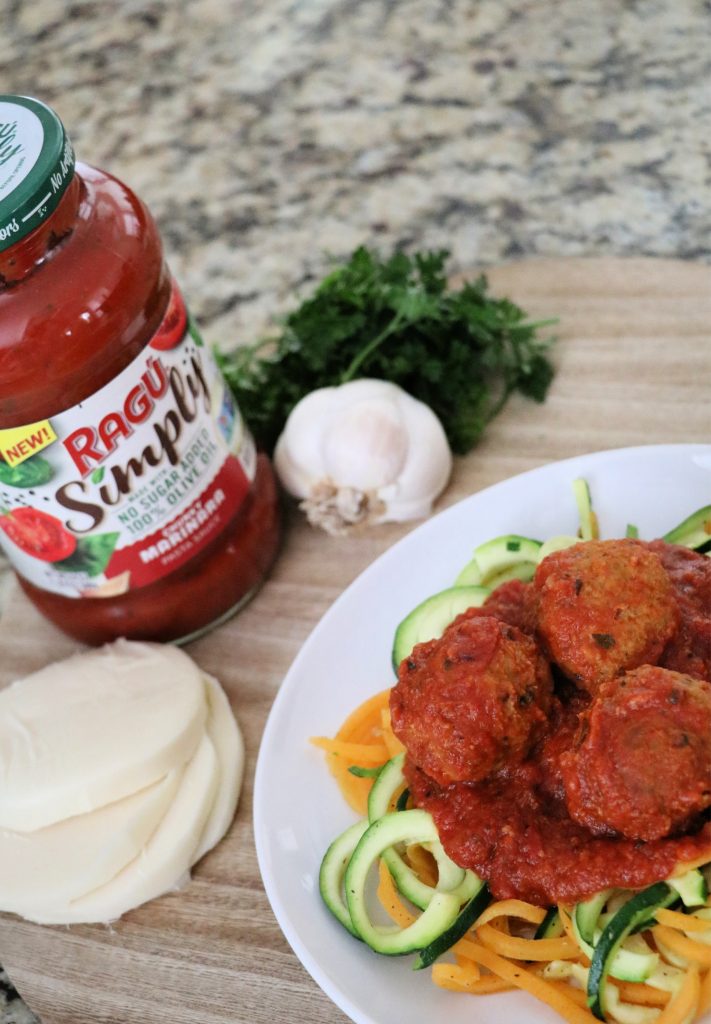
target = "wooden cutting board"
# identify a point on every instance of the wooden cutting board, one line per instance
(634, 367)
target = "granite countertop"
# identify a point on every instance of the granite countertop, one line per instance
(269, 136)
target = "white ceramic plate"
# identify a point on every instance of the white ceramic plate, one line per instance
(298, 809)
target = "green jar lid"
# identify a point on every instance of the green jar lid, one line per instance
(36, 166)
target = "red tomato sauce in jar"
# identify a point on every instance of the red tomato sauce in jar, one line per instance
(132, 500)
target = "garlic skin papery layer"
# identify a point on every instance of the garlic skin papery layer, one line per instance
(362, 453)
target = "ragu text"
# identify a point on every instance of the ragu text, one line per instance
(89, 447)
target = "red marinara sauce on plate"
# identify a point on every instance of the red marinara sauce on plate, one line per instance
(605, 783)
(132, 499)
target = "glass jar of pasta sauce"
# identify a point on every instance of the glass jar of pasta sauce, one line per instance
(132, 499)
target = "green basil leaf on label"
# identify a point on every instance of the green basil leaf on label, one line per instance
(98, 475)
(33, 472)
(92, 554)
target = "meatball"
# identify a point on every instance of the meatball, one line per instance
(604, 607)
(472, 701)
(514, 602)
(641, 761)
(689, 650)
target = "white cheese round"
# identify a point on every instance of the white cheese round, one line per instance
(229, 747)
(94, 729)
(70, 858)
(162, 864)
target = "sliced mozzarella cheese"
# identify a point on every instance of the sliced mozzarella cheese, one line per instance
(70, 858)
(95, 728)
(229, 747)
(164, 861)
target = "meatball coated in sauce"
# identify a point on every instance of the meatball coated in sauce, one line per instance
(472, 701)
(689, 650)
(641, 767)
(513, 602)
(604, 607)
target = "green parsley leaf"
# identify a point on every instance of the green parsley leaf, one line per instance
(462, 352)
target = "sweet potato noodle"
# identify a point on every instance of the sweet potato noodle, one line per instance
(560, 737)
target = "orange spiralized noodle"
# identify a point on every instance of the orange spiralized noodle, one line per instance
(683, 922)
(422, 862)
(697, 952)
(467, 977)
(518, 976)
(360, 741)
(642, 995)
(526, 949)
(685, 1002)
(512, 908)
(365, 720)
(391, 900)
(575, 995)
(705, 993)
(353, 753)
(390, 740)
(499, 952)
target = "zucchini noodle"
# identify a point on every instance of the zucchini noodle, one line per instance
(499, 952)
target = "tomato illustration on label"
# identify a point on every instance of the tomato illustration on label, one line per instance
(38, 534)
(174, 324)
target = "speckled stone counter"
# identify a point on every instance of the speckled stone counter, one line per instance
(269, 136)
(12, 1009)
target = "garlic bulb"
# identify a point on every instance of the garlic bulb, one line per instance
(365, 452)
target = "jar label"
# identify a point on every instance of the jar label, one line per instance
(131, 483)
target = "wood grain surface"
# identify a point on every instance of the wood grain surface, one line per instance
(634, 367)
